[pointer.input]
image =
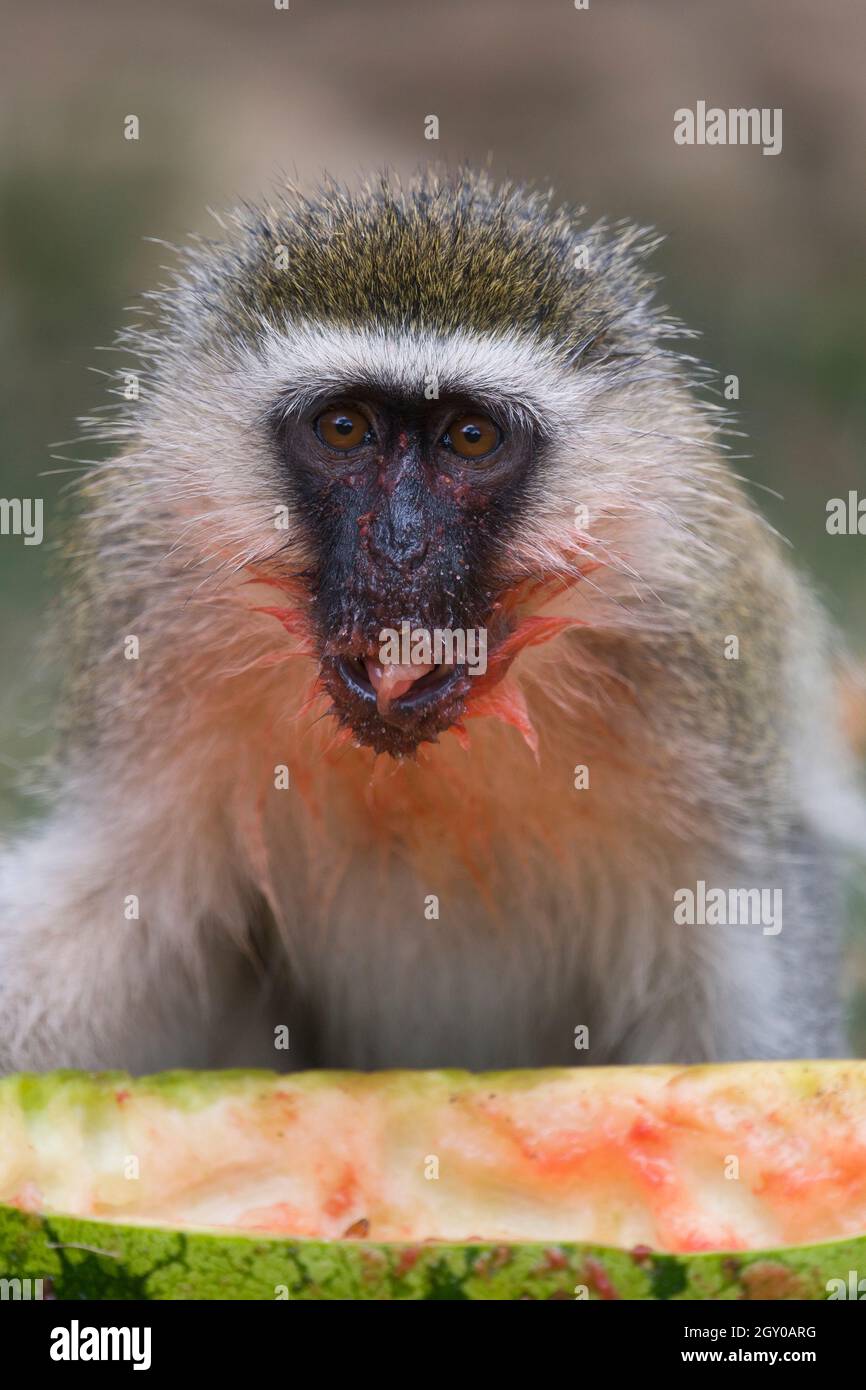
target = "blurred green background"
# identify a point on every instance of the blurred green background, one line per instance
(764, 255)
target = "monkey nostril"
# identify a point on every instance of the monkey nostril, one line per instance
(413, 555)
(401, 552)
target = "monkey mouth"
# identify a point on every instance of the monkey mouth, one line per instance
(394, 708)
(398, 690)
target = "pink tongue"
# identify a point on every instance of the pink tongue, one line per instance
(390, 682)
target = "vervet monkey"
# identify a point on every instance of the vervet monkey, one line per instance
(444, 407)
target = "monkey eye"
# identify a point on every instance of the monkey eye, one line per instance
(343, 428)
(472, 437)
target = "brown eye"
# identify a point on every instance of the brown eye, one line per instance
(472, 436)
(344, 428)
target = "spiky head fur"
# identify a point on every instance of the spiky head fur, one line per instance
(442, 254)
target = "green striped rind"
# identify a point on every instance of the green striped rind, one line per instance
(101, 1260)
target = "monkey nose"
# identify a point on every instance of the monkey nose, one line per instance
(392, 681)
(400, 551)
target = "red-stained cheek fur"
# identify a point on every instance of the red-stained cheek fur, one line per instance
(272, 704)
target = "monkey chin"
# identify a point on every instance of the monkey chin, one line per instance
(433, 705)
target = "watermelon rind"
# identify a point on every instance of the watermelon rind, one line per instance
(78, 1259)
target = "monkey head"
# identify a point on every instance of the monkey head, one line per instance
(427, 379)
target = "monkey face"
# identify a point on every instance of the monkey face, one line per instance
(406, 509)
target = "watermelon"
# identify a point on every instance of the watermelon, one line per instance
(712, 1182)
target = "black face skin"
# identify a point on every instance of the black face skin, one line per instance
(402, 528)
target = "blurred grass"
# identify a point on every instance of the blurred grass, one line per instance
(71, 255)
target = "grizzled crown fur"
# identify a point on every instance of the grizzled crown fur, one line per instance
(443, 252)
